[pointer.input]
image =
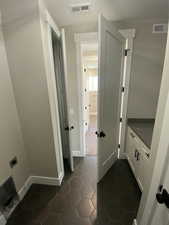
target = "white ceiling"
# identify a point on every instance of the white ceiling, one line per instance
(112, 9)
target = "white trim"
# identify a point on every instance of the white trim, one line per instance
(133, 171)
(22, 192)
(134, 222)
(47, 180)
(39, 180)
(123, 155)
(25, 188)
(46, 17)
(129, 35)
(2, 220)
(78, 154)
(82, 38)
(159, 148)
(46, 26)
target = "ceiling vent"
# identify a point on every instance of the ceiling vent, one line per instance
(160, 28)
(81, 8)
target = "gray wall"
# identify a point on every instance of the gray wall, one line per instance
(25, 55)
(10, 131)
(72, 76)
(146, 73)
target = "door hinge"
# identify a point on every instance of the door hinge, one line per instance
(126, 52)
(118, 145)
(122, 89)
(121, 119)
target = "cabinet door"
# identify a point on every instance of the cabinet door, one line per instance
(131, 148)
(143, 167)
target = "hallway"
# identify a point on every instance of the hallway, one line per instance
(77, 202)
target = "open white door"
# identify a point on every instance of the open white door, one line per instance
(70, 127)
(160, 213)
(109, 94)
(154, 209)
(86, 99)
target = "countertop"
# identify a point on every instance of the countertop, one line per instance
(143, 128)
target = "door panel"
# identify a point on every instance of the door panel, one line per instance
(70, 124)
(60, 74)
(109, 96)
(161, 212)
(86, 98)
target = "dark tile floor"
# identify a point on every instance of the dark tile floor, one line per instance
(114, 201)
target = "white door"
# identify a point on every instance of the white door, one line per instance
(109, 94)
(86, 98)
(69, 127)
(151, 212)
(160, 213)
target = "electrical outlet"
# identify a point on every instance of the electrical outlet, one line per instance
(13, 162)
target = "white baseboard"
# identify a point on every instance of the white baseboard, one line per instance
(123, 155)
(39, 180)
(2, 220)
(25, 188)
(22, 192)
(77, 154)
(47, 180)
(134, 222)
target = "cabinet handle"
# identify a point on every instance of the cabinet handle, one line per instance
(138, 156)
(135, 153)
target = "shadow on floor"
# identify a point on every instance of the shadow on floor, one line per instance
(114, 201)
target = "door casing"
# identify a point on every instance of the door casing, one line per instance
(80, 39)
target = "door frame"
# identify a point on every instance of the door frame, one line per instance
(47, 25)
(129, 35)
(82, 38)
(159, 148)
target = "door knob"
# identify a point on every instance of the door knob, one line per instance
(100, 134)
(69, 128)
(163, 198)
(72, 128)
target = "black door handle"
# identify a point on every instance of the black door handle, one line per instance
(69, 128)
(72, 128)
(100, 134)
(163, 198)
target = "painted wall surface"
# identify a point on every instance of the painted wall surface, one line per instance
(146, 70)
(72, 77)
(27, 68)
(10, 131)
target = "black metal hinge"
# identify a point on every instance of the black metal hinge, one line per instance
(122, 89)
(126, 51)
(118, 145)
(121, 119)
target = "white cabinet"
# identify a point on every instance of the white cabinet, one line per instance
(138, 157)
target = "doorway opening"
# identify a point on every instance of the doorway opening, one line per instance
(90, 92)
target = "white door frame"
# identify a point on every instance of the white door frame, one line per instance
(47, 24)
(82, 38)
(159, 147)
(129, 35)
